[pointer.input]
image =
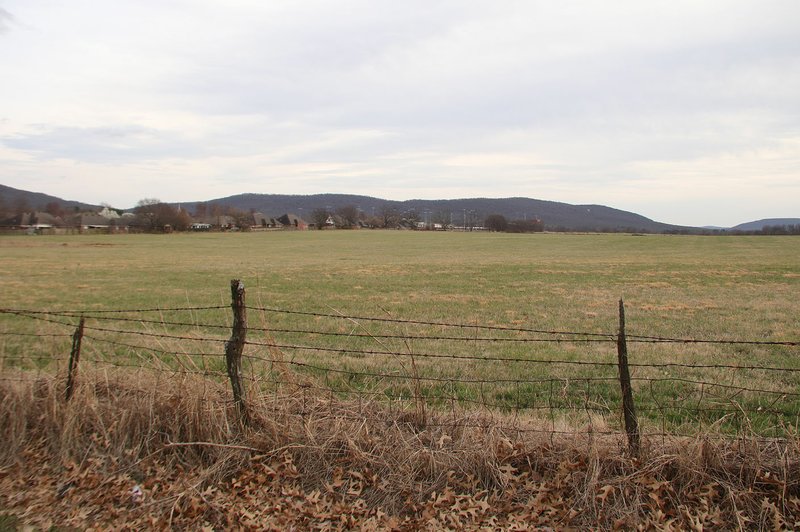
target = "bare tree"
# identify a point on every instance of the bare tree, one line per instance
(349, 215)
(410, 218)
(242, 219)
(496, 222)
(525, 226)
(319, 217)
(155, 216)
(200, 209)
(54, 208)
(389, 217)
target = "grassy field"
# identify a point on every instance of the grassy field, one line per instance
(337, 434)
(729, 286)
(721, 288)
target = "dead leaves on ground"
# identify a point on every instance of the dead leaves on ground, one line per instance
(270, 494)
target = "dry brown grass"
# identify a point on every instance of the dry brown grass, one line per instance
(313, 460)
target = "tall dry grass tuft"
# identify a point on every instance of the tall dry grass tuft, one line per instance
(112, 415)
(380, 456)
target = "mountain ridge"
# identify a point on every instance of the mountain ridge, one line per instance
(758, 225)
(555, 215)
(17, 198)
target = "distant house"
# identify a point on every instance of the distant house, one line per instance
(93, 221)
(97, 223)
(32, 221)
(258, 220)
(261, 221)
(221, 222)
(291, 221)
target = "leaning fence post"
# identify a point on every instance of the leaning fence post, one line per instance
(74, 357)
(234, 348)
(628, 408)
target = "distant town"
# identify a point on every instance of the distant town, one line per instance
(154, 216)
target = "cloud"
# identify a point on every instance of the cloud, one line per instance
(5, 20)
(495, 66)
(574, 101)
(106, 144)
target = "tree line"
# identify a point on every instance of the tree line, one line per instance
(499, 223)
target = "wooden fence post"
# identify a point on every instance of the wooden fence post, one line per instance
(628, 408)
(74, 358)
(234, 348)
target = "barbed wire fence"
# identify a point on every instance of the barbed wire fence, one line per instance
(425, 373)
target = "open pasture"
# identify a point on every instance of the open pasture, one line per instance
(497, 289)
(715, 286)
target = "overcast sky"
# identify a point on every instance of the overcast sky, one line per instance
(686, 112)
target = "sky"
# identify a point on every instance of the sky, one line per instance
(685, 112)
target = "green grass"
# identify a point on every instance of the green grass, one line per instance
(8, 523)
(676, 286)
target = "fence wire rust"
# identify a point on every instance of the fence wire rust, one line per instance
(553, 381)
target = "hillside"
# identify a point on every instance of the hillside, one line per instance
(14, 198)
(555, 215)
(758, 225)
